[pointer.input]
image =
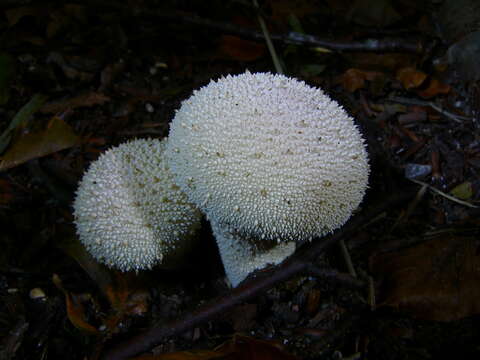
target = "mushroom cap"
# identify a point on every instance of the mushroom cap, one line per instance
(129, 213)
(268, 156)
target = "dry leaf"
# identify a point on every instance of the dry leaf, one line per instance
(14, 15)
(184, 355)
(57, 136)
(84, 100)
(435, 87)
(354, 79)
(75, 309)
(435, 280)
(239, 348)
(125, 295)
(248, 348)
(6, 192)
(376, 13)
(240, 49)
(410, 77)
(282, 9)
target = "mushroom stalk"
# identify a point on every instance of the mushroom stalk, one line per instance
(242, 256)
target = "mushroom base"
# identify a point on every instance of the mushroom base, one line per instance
(240, 256)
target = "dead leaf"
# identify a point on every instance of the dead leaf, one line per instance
(7, 71)
(354, 79)
(16, 14)
(69, 243)
(243, 317)
(435, 280)
(6, 192)
(410, 77)
(83, 100)
(239, 348)
(75, 308)
(123, 291)
(184, 355)
(282, 9)
(20, 119)
(57, 136)
(435, 87)
(240, 49)
(376, 13)
(248, 348)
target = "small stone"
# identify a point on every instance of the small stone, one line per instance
(37, 294)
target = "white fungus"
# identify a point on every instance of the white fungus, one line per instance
(129, 213)
(268, 157)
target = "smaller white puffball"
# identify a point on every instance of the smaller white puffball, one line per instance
(128, 211)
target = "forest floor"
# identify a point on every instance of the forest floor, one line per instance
(80, 77)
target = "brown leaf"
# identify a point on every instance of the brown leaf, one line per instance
(126, 295)
(354, 79)
(75, 309)
(435, 280)
(410, 77)
(374, 13)
(240, 49)
(83, 100)
(123, 291)
(282, 9)
(248, 348)
(6, 193)
(57, 136)
(184, 355)
(435, 87)
(239, 348)
(243, 317)
(16, 14)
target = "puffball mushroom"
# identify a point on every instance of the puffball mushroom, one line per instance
(269, 160)
(128, 211)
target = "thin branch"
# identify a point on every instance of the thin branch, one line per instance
(447, 196)
(347, 258)
(335, 277)
(266, 34)
(262, 281)
(457, 118)
(293, 38)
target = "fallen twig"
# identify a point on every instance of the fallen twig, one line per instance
(447, 196)
(368, 45)
(457, 118)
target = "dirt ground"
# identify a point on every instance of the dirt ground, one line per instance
(77, 78)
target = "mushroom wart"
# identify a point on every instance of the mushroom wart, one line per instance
(128, 211)
(269, 160)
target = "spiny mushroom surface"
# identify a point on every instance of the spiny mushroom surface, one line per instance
(129, 213)
(269, 157)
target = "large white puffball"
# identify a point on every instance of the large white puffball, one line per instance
(268, 156)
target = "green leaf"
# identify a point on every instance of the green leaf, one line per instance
(463, 191)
